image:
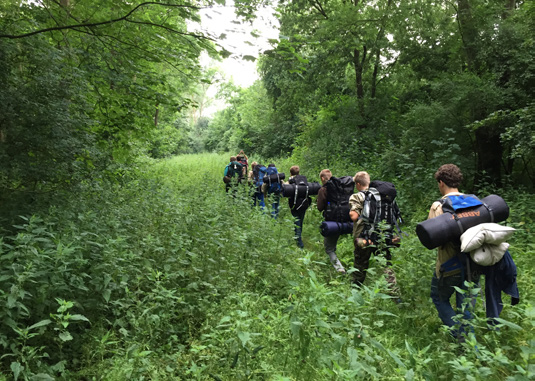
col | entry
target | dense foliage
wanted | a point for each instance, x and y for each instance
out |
(86, 87)
(396, 87)
(120, 260)
(159, 278)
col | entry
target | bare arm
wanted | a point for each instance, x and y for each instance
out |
(353, 215)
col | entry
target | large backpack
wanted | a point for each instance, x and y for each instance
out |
(259, 172)
(339, 190)
(461, 212)
(245, 165)
(457, 205)
(298, 202)
(380, 206)
(273, 187)
(234, 168)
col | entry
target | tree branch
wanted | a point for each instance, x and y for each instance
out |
(169, 29)
(134, 47)
(95, 24)
(319, 8)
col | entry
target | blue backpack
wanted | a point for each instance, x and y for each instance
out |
(259, 172)
(275, 188)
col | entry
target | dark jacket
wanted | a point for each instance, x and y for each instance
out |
(333, 198)
(321, 201)
(298, 205)
(500, 277)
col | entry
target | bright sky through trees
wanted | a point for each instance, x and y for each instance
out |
(238, 39)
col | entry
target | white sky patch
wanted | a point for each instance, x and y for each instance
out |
(235, 36)
(221, 21)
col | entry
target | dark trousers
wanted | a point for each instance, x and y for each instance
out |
(299, 218)
(275, 203)
(361, 262)
(441, 291)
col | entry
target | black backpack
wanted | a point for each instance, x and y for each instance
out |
(380, 206)
(339, 190)
(295, 202)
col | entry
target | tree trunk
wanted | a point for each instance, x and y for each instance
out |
(510, 6)
(358, 63)
(375, 72)
(489, 149)
(489, 155)
(468, 33)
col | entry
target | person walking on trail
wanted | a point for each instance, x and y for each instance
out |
(298, 204)
(255, 178)
(273, 190)
(450, 269)
(326, 203)
(233, 173)
(244, 161)
(365, 242)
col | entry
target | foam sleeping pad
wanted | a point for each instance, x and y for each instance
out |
(288, 190)
(445, 228)
(275, 178)
(329, 228)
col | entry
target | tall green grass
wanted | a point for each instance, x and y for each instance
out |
(166, 277)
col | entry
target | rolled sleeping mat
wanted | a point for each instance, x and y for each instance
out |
(275, 178)
(329, 228)
(288, 190)
(445, 228)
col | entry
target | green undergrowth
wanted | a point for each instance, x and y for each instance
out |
(166, 277)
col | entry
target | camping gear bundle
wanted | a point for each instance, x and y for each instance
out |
(302, 190)
(461, 213)
(330, 228)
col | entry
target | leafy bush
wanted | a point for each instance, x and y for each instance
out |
(165, 276)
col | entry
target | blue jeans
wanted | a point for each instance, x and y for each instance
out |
(275, 199)
(258, 197)
(441, 292)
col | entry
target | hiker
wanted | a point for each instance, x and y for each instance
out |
(368, 239)
(256, 179)
(250, 175)
(333, 201)
(298, 204)
(450, 270)
(273, 190)
(233, 173)
(244, 161)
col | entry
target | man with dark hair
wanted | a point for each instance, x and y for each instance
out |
(450, 269)
(449, 174)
